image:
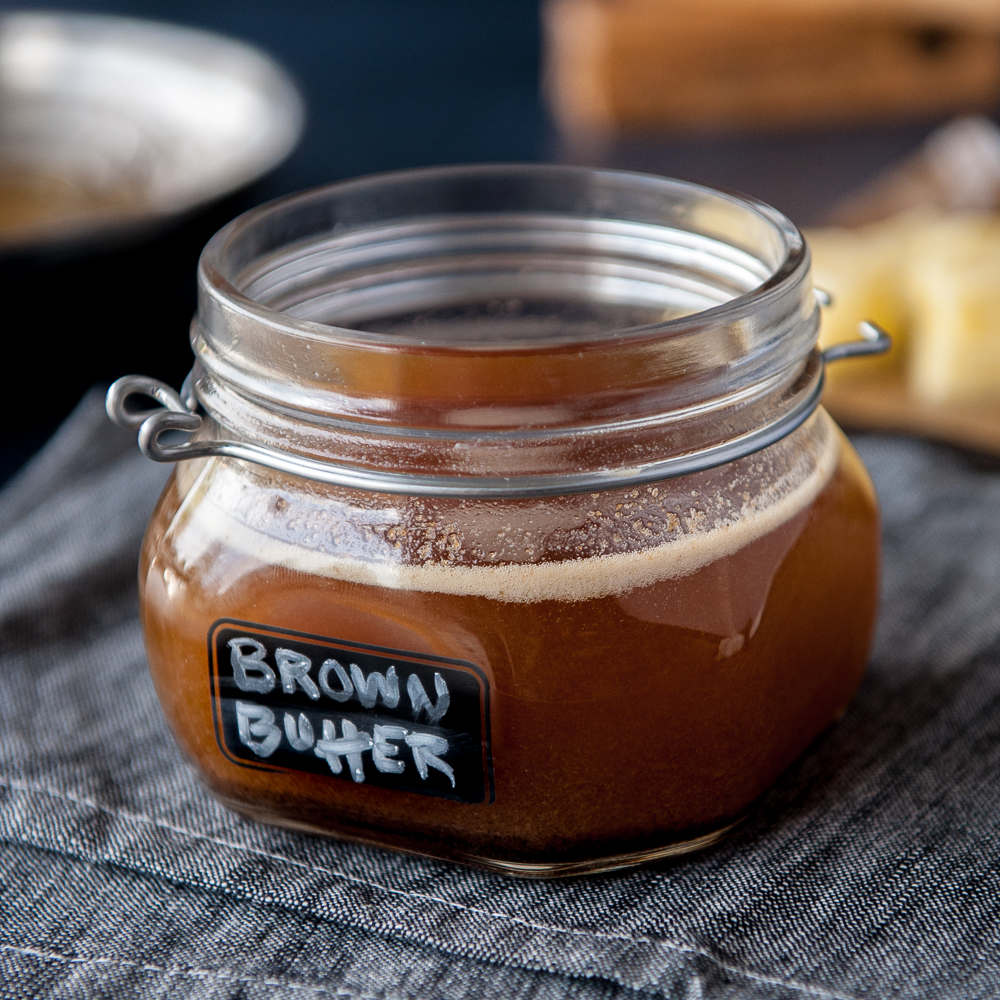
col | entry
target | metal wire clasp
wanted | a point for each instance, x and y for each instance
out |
(874, 340)
(175, 413)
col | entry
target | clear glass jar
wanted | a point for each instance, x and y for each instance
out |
(507, 527)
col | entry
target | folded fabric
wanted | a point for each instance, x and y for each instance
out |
(870, 871)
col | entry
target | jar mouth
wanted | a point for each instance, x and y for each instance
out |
(261, 262)
(509, 323)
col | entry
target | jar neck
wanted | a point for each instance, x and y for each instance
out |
(465, 326)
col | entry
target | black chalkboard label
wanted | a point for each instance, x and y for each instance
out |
(289, 701)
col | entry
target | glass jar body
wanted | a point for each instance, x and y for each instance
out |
(627, 669)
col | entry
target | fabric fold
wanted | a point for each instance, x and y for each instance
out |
(868, 871)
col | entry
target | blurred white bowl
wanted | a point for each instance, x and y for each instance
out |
(109, 123)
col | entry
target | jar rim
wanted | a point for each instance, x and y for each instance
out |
(215, 277)
(500, 359)
(598, 405)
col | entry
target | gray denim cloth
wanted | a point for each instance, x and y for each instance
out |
(870, 871)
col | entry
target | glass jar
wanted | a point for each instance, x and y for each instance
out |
(506, 526)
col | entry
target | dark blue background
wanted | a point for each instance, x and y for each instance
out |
(388, 84)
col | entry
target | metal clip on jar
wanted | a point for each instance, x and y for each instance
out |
(510, 529)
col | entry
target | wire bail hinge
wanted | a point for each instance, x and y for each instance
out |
(174, 413)
(874, 340)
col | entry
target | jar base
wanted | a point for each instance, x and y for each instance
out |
(595, 866)
(441, 851)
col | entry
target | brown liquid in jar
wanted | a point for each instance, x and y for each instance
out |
(655, 656)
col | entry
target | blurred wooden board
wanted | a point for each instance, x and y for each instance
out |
(648, 65)
(881, 402)
(975, 13)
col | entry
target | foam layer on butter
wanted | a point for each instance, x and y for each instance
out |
(206, 521)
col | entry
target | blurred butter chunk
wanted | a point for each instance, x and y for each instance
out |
(952, 282)
(862, 269)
